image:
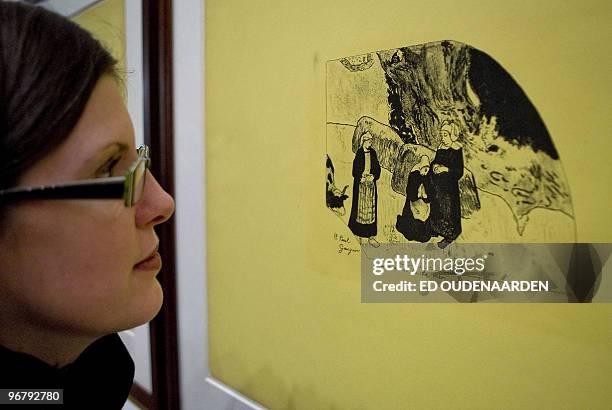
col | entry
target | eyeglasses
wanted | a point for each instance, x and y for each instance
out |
(129, 187)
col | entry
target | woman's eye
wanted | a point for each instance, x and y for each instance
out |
(106, 170)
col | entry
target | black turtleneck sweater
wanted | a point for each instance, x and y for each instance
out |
(101, 377)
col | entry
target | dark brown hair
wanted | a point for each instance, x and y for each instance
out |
(48, 69)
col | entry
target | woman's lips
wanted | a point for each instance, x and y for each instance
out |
(153, 262)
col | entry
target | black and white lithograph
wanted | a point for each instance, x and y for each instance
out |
(438, 143)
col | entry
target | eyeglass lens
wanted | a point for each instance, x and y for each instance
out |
(139, 180)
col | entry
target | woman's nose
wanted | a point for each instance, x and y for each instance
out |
(156, 206)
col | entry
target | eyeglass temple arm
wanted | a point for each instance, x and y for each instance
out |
(107, 188)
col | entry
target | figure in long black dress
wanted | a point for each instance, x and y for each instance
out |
(414, 222)
(447, 168)
(366, 171)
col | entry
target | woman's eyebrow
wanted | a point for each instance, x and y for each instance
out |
(102, 155)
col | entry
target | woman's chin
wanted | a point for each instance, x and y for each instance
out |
(152, 304)
(143, 307)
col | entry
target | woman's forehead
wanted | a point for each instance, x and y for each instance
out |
(103, 129)
(105, 120)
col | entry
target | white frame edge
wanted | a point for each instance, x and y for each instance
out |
(198, 388)
(69, 8)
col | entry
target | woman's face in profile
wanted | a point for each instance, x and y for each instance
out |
(71, 264)
(446, 137)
